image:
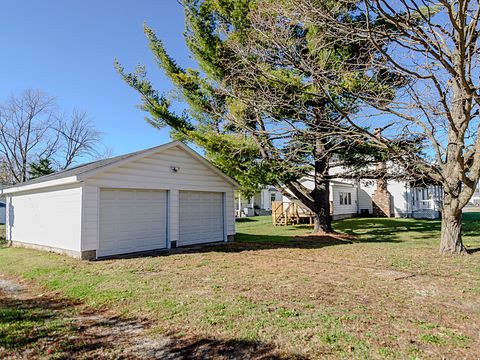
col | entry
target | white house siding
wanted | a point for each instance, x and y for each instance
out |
(343, 211)
(49, 218)
(365, 198)
(154, 172)
(400, 197)
(398, 190)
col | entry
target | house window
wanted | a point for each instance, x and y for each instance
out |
(345, 198)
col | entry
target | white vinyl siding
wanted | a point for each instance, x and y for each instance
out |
(132, 221)
(91, 202)
(400, 198)
(50, 218)
(154, 172)
(365, 198)
(201, 217)
(349, 197)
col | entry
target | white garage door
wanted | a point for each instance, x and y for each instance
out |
(201, 217)
(132, 220)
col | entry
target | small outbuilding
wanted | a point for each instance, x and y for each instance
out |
(159, 198)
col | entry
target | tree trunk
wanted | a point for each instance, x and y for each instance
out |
(323, 219)
(451, 236)
(321, 190)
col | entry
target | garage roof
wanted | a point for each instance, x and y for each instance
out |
(80, 172)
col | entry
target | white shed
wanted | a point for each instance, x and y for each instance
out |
(158, 198)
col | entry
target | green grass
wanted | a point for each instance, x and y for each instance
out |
(21, 326)
(374, 298)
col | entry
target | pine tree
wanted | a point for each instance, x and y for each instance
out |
(41, 168)
(256, 106)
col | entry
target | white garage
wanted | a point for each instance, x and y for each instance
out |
(158, 198)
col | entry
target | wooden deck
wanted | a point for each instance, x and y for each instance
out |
(291, 213)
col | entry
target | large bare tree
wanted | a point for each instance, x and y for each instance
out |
(33, 128)
(78, 137)
(433, 50)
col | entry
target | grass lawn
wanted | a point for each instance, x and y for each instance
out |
(388, 294)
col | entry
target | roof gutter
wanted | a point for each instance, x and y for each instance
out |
(41, 185)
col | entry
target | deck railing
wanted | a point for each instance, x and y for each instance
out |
(288, 213)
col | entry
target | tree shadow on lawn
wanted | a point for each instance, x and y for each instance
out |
(245, 220)
(362, 230)
(38, 327)
(383, 230)
(208, 348)
(366, 230)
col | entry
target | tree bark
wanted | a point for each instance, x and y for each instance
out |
(321, 190)
(451, 235)
(323, 219)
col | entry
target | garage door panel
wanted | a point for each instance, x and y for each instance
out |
(201, 217)
(132, 220)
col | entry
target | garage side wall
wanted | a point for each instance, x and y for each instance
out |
(48, 219)
(155, 172)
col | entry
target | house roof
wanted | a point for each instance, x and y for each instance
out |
(82, 171)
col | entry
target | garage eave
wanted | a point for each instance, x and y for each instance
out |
(41, 185)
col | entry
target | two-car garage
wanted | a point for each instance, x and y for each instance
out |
(136, 220)
(159, 198)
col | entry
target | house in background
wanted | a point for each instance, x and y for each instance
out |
(259, 204)
(343, 198)
(475, 200)
(2, 212)
(158, 198)
(399, 199)
(378, 198)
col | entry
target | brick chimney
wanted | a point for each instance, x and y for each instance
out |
(381, 197)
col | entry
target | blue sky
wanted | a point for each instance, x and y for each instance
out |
(67, 48)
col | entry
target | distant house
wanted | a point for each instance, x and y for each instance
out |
(2, 212)
(380, 198)
(475, 200)
(400, 199)
(157, 198)
(343, 198)
(259, 204)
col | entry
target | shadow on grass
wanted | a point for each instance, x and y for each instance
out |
(245, 220)
(206, 348)
(40, 326)
(48, 328)
(261, 235)
(379, 230)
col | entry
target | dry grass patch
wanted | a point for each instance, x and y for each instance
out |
(384, 294)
